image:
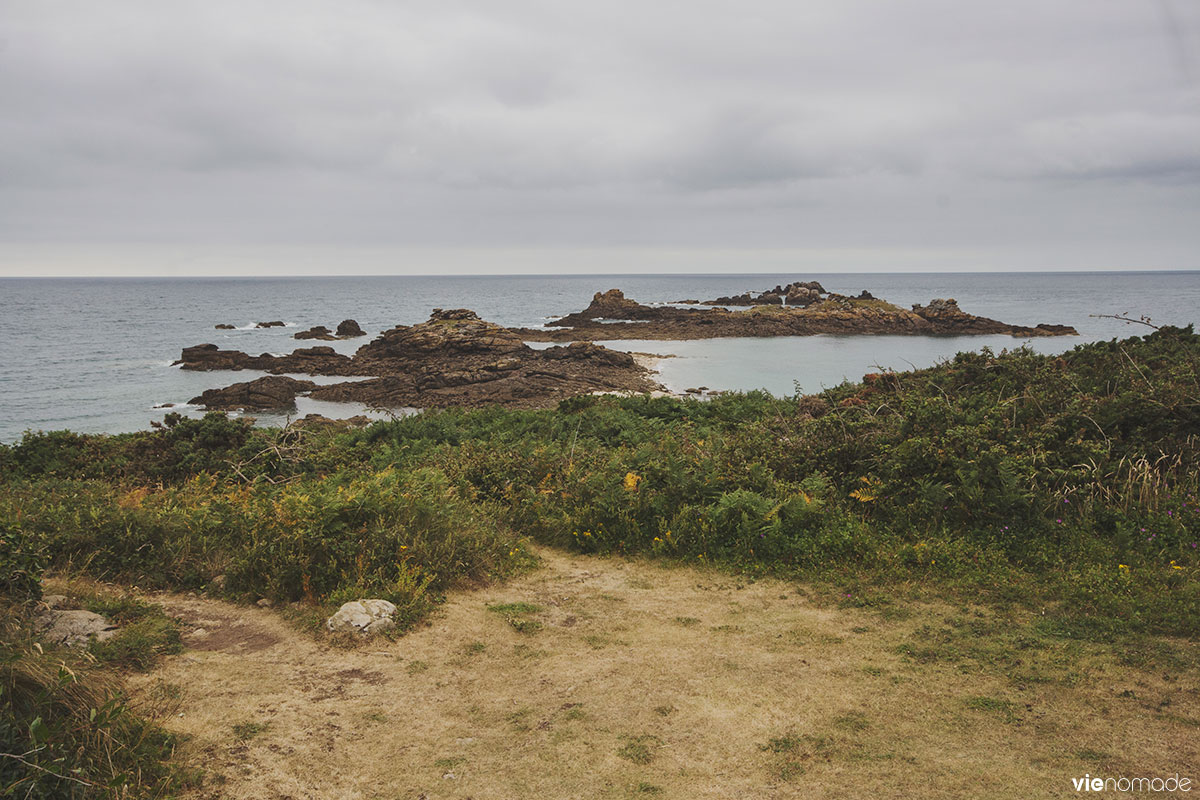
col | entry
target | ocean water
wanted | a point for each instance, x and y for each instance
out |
(94, 355)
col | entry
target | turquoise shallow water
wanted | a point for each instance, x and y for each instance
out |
(94, 355)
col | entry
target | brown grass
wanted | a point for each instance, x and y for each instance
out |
(764, 695)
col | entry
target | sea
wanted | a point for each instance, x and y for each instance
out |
(96, 355)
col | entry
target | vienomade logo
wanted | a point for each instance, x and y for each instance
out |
(1173, 784)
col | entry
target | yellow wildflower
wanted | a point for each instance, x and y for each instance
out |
(632, 479)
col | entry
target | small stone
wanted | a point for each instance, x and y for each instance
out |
(264, 603)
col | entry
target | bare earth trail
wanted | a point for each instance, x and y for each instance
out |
(648, 681)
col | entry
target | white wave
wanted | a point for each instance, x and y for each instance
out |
(253, 326)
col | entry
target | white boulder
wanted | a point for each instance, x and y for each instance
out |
(363, 617)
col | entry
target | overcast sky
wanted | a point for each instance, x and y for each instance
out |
(548, 135)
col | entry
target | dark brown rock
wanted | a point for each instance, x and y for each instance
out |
(225, 326)
(316, 332)
(456, 332)
(273, 324)
(319, 360)
(609, 305)
(274, 391)
(804, 313)
(453, 359)
(349, 329)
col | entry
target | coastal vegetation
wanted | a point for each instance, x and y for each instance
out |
(1061, 485)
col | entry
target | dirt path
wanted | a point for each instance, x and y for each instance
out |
(644, 681)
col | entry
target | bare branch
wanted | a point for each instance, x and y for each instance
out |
(1142, 320)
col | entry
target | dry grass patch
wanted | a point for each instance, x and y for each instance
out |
(612, 697)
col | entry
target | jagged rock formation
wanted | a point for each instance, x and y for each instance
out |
(453, 359)
(798, 293)
(798, 309)
(272, 324)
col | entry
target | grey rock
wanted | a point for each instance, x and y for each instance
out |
(73, 628)
(363, 617)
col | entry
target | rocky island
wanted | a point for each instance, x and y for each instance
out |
(453, 359)
(458, 359)
(799, 309)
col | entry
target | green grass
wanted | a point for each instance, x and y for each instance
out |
(65, 712)
(517, 616)
(245, 731)
(639, 749)
(1004, 709)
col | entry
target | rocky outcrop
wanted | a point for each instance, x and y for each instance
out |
(363, 617)
(948, 318)
(274, 391)
(320, 360)
(272, 324)
(797, 293)
(316, 332)
(346, 329)
(225, 326)
(453, 359)
(610, 305)
(451, 333)
(798, 309)
(349, 329)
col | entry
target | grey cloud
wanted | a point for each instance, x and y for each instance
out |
(674, 123)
